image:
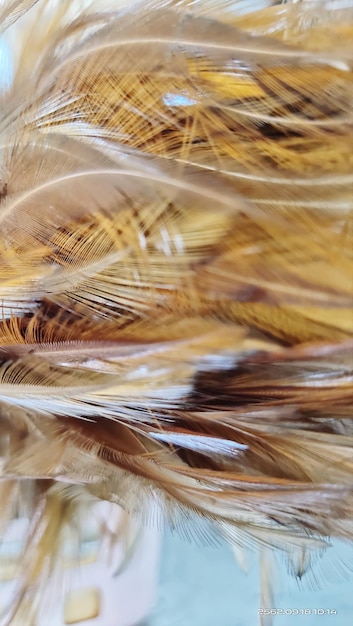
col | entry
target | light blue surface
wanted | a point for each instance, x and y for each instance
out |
(205, 587)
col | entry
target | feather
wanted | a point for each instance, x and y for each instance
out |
(12, 10)
(176, 274)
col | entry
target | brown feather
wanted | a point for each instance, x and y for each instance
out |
(176, 272)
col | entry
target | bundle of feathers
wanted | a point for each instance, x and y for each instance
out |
(176, 270)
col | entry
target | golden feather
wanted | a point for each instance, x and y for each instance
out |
(176, 270)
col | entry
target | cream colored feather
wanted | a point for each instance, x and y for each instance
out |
(176, 271)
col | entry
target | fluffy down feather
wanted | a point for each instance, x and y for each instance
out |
(176, 270)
